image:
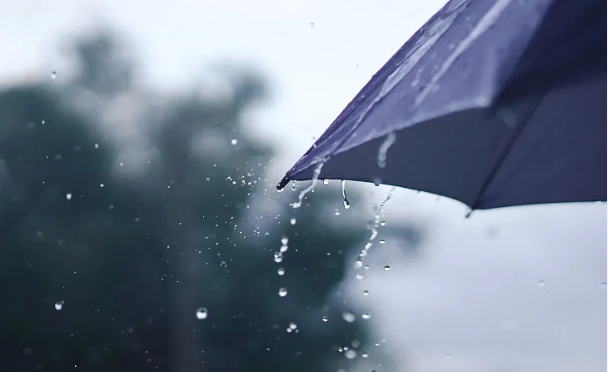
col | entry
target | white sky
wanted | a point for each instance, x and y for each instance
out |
(473, 296)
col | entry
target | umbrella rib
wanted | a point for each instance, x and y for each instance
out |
(505, 153)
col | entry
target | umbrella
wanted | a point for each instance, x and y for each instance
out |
(493, 103)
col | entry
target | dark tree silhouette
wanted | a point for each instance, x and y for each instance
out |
(105, 272)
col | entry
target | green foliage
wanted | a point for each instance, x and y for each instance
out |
(133, 257)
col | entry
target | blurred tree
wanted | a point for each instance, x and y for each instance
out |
(106, 272)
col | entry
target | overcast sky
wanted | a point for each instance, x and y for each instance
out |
(518, 289)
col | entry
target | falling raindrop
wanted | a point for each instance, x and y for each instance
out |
(281, 271)
(293, 221)
(366, 316)
(303, 193)
(278, 257)
(234, 141)
(68, 196)
(59, 305)
(377, 223)
(345, 199)
(282, 292)
(349, 317)
(283, 248)
(388, 142)
(325, 319)
(201, 313)
(350, 354)
(284, 240)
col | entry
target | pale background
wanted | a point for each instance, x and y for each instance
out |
(520, 289)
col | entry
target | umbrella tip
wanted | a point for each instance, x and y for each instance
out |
(281, 185)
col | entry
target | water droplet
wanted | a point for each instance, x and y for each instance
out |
(284, 240)
(376, 224)
(234, 141)
(278, 257)
(349, 317)
(345, 199)
(382, 241)
(387, 268)
(282, 292)
(382, 223)
(325, 319)
(541, 283)
(201, 313)
(283, 248)
(97, 145)
(603, 285)
(293, 221)
(377, 181)
(281, 271)
(350, 354)
(359, 276)
(365, 292)
(326, 182)
(59, 305)
(303, 193)
(293, 185)
(388, 142)
(53, 75)
(68, 196)
(366, 316)
(365, 355)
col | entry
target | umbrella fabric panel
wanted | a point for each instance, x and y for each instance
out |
(560, 154)
(449, 156)
(457, 61)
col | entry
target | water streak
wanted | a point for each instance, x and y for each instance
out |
(303, 193)
(388, 142)
(345, 199)
(374, 229)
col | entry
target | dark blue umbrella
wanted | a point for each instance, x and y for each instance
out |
(492, 102)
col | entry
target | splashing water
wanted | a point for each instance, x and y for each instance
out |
(374, 229)
(388, 142)
(303, 193)
(345, 199)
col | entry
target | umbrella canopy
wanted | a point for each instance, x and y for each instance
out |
(492, 102)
